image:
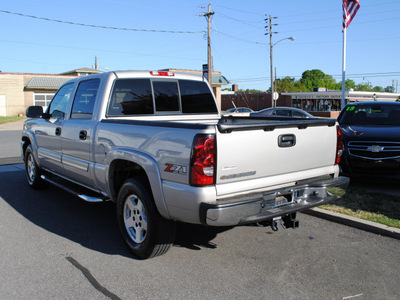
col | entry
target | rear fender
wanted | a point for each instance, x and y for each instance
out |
(151, 169)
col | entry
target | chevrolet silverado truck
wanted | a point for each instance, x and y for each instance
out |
(155, 143)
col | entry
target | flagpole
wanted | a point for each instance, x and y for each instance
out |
(343, 102)
(350, 8)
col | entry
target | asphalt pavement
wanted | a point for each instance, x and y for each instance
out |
(10, 159)
(10, 137)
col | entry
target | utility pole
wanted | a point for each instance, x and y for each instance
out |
(208, 15)
(95, 66)
(268, 27)
(395, 84)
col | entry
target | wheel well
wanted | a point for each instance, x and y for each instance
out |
(121, 170)
(25, 144)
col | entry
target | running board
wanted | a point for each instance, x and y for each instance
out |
(73, 192)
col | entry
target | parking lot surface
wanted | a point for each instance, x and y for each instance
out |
(55, 246)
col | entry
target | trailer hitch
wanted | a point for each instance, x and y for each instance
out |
(290, 221)
(274, 226)
(287, 221)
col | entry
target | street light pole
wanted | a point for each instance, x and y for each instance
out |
(292, 38)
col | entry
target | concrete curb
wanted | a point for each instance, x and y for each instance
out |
(354, 222)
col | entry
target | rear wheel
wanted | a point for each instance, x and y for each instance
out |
(144, 230)
(32, 170)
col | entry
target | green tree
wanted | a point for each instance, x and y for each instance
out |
(364, 87)
(312, 79)
(286, 84)
(378, 89)
(389, 89)
(349, 84)
(330, 83)
(250, 91)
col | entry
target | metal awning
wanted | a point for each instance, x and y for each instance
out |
(47, 83)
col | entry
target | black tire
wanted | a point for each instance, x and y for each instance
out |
(32, 170)
(145, 231)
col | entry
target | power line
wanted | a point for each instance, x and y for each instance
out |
(356, 75)
(97, 26)
(245, 22)
(240, 10)
(239, 39)
(100, 50)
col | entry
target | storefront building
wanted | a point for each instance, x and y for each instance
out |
(320, 103)
(328, 103)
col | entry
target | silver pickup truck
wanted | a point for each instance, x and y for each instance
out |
(156, 144)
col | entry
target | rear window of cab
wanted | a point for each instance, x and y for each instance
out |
(137, 96)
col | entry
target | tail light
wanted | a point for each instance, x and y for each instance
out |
(339, 144)
(202, 160)
(161, 73)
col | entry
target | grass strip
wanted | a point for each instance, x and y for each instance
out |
(4, 120)
(372, 206)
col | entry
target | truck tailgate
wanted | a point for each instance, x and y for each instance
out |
(279, 155)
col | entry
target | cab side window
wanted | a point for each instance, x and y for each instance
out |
(131, 97)
(85, 98)
(58, 105)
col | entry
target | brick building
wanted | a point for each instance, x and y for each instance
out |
(20, 90)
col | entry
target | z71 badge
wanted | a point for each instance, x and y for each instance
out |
(175, 169)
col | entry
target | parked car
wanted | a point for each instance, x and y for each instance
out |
(285, 112)
(371, 138)
(238, 111)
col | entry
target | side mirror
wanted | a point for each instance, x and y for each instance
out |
(34, 111)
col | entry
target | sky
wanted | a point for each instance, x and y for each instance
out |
(51, 37)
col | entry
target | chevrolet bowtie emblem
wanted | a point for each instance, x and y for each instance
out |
(375, 148)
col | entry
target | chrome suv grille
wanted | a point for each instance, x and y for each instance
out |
(374, 150)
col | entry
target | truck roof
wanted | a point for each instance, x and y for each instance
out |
(143, 74)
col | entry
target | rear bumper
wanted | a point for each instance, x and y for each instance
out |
(265, 206)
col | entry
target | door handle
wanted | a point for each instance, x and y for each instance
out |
(58, 131)
(82, 135)
(286, 140)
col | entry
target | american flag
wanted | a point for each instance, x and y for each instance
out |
(350, 8)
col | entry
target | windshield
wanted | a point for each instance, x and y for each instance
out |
(371, 114)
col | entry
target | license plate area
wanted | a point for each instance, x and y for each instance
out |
(278, 199)
(283, 199)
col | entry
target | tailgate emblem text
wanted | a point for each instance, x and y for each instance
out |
(232, 176)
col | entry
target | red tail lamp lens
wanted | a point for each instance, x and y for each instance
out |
(203, 160)
(339, 144)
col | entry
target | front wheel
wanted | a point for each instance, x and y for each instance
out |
(32, 170)
(145, 231)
